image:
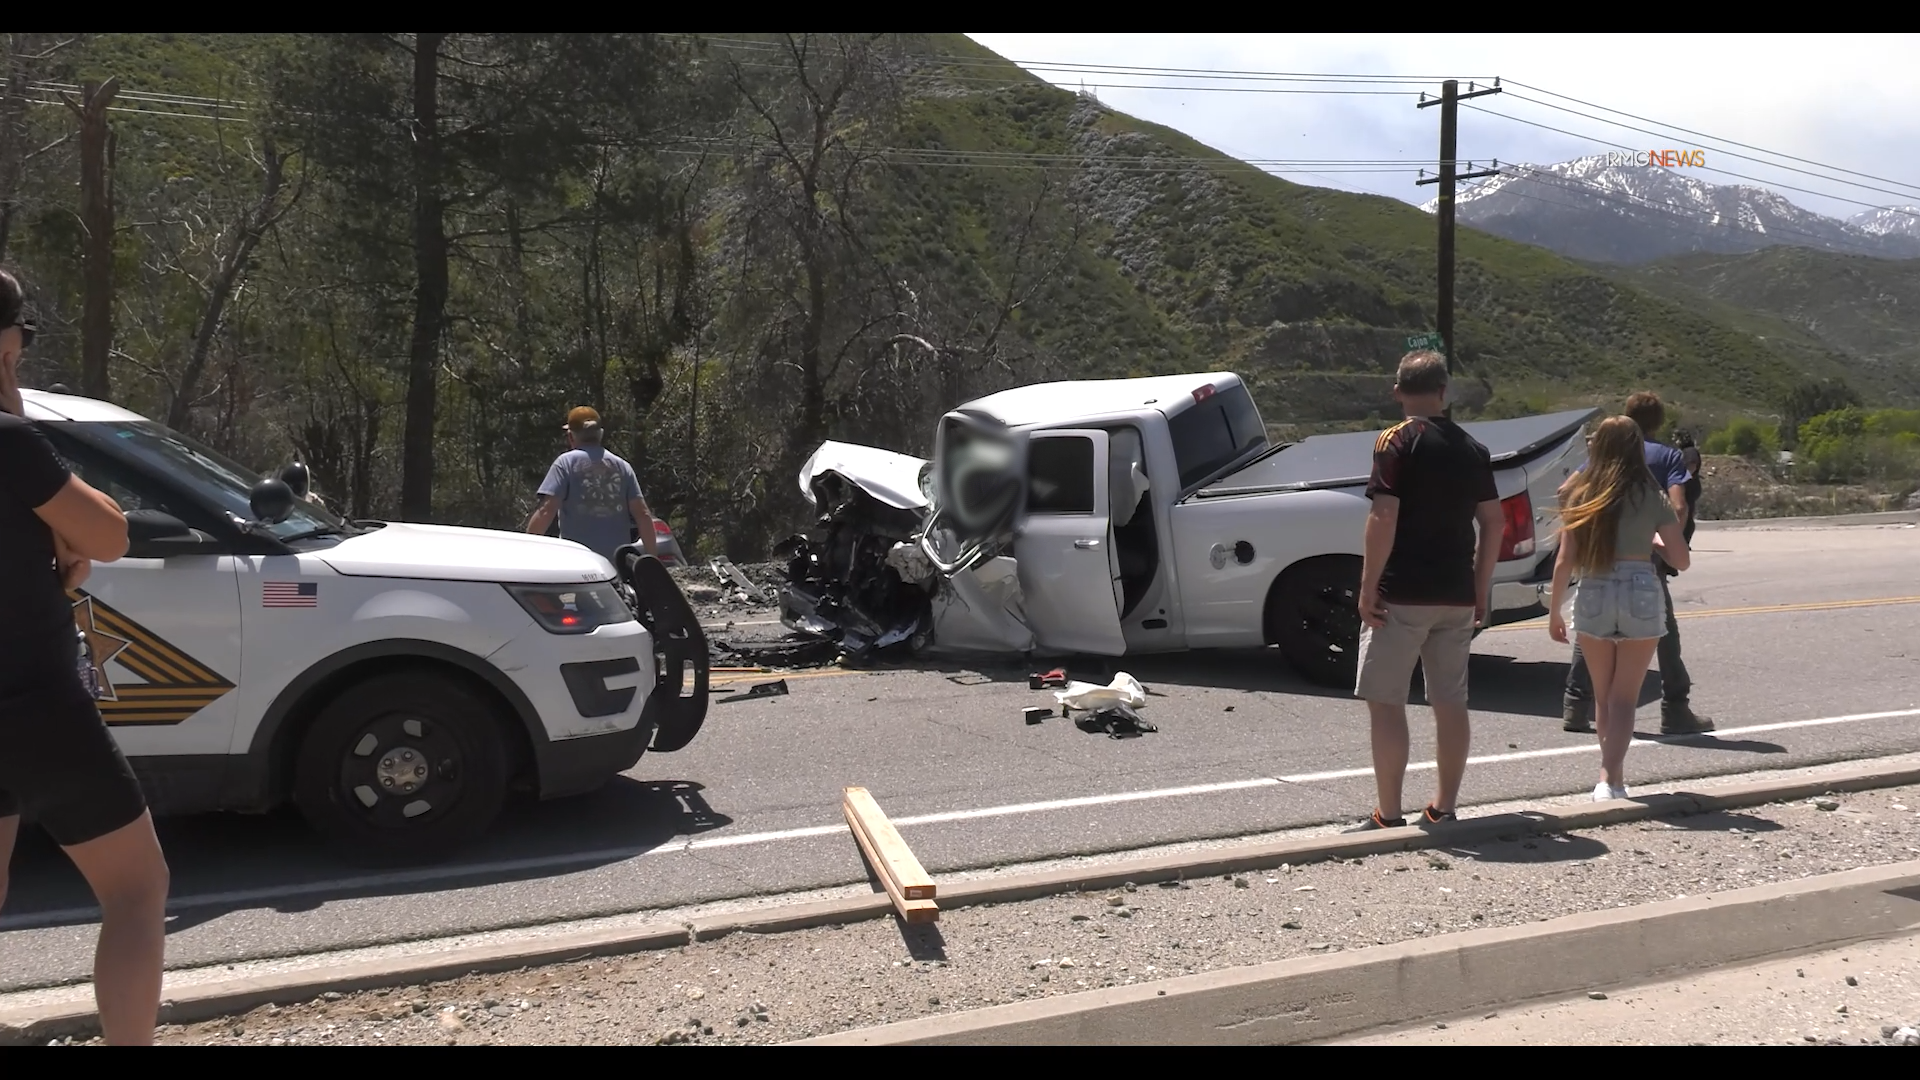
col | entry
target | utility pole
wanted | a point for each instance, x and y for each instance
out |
(96, 216)
(1449, 102)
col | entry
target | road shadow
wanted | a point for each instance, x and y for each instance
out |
(1523, 848)
(1709, 742)
(274, 861)
(1721, 821)
(924, 941)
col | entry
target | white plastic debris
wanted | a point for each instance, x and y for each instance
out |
(1123, 690)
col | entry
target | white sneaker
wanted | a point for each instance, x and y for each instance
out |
(1604, 793)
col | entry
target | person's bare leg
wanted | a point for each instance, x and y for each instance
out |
(1630, 660)
(1390, 749)
(9, 832)
(1598, 654)
(1453, 736)
(129, 877)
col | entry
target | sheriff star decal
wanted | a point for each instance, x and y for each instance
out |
(172, 686)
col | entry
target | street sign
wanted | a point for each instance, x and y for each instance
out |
(1426, 341)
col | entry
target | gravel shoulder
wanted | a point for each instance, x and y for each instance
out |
(1865, 994)
(761, 989)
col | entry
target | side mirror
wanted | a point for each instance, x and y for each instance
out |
(156, 534)
(271, 500)
(148, 525)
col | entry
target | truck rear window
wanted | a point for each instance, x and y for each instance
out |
(1212, 433)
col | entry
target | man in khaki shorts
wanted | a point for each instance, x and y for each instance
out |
(1424, 583)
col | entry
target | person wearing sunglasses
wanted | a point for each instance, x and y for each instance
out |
(58, 762)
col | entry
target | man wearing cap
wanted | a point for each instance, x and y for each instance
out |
(594, 492)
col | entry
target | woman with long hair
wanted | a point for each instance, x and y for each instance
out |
(1612, 517)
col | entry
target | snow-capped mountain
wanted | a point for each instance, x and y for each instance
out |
(1889, 221)
(1595, 210)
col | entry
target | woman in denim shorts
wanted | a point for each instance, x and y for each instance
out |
(1613, 516)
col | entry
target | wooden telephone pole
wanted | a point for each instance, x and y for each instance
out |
(1449, 102)
(96, 217)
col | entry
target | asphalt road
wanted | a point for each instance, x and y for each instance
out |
(1804, 645)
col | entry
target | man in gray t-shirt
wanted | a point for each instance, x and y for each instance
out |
(594, 492)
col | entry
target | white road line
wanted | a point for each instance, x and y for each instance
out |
(374, 882)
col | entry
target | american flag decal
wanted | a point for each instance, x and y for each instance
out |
(287, 594)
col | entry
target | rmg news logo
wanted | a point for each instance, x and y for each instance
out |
(1667, 159)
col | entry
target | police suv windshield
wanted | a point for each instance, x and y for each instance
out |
(204, 473)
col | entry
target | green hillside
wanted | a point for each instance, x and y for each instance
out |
(1866, 308)
(737, 246)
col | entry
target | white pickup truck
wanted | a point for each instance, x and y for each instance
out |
(393, 681)
(1130, 516)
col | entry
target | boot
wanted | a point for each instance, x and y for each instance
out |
(1578, 715)
(1678, 718)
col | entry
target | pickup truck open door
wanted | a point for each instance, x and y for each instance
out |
(1063, 544)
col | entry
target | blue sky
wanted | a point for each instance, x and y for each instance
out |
(1846, 100)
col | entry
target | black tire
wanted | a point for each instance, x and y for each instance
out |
(460, 763)
(1313, 614)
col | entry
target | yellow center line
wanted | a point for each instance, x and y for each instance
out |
(1759, 609)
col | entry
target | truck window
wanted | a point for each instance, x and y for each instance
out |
(1060, 475)
(1209, 434)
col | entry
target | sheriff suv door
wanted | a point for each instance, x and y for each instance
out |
(163, 631)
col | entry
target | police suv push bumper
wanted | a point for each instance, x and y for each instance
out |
(608, 738)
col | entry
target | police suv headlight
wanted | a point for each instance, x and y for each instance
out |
(573, 609)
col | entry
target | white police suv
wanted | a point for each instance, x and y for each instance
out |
(394, 681)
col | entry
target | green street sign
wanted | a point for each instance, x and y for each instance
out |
(1426, 341)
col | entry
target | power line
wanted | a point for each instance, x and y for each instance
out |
(1722, 172)
(1743, 157)
(1715, 138)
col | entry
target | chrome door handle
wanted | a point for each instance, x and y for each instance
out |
(1086, 545)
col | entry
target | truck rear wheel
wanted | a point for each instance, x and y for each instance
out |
(1313, 614)
(402, 768)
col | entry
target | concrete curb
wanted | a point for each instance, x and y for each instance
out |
(203, 994)
(1322, 997)
(1888, 517)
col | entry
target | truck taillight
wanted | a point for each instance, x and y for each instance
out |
(1516, 531)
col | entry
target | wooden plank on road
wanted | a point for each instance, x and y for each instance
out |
(905, 880)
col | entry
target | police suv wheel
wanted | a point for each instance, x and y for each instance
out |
(402, 768)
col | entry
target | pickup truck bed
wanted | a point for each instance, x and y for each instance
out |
(1346, 460)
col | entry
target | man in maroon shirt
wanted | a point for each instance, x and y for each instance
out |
(1424, 583)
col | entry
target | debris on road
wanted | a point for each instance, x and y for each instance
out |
(1047, 680)
(776, 688)
(1086, 697)
(891, 860)
(1036, 714)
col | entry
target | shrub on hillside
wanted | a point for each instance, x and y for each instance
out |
(1744, 438)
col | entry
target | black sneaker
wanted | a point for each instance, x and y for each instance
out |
(1578, 716)
(1682, 720)
(1430, 816)
(1375, 822)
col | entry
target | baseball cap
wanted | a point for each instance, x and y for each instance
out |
(582, 419)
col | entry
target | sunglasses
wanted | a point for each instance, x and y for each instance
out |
(26, 333)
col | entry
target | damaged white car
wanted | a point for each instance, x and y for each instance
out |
(1130, 516)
